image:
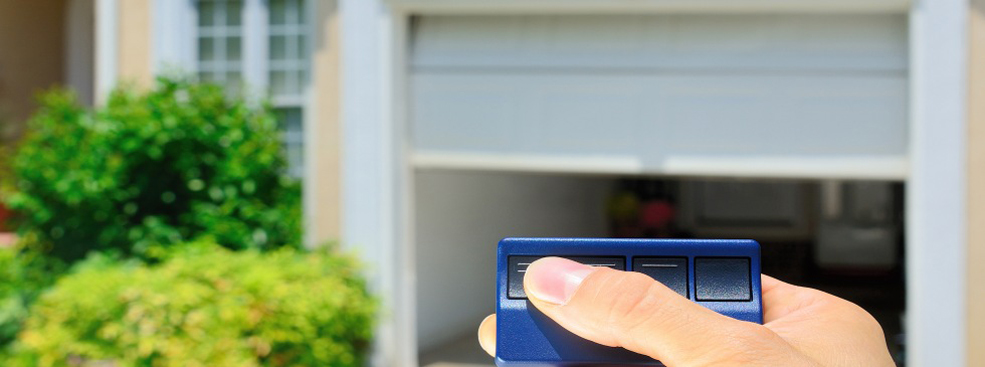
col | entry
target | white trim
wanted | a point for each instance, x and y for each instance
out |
(290, 101)
(255, 41)
(860, 168)
(80, 41)
(173, 36)
(309, 120)
(107, 19)
(934, 171)
(404, 181)
(935, 214)
(874, 168)
(651, 6)
(371, 222)
(527, 163)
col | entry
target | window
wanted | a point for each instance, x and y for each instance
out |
(220, 42)
(288, 73)
(288, 48)
(269, 52)
(291, 120)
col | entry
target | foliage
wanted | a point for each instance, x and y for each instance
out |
(153, 169)
(24, 273)
(204, 306)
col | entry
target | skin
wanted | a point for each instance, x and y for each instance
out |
(802, 326)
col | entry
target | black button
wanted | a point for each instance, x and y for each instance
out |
(671, 271)
(722, 279)
(519, 264)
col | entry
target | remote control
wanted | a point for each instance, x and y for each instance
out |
(722, 275)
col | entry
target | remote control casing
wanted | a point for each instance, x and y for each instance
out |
(526, 337)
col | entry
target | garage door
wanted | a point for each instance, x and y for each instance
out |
(759, 95)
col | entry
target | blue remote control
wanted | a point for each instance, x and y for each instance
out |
(722, 275)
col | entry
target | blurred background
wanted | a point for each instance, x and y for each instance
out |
(240, 165)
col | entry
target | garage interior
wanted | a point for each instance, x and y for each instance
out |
(843, 237)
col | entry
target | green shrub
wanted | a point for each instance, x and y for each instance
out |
(205, 306)
(152, 169)
(24, 273)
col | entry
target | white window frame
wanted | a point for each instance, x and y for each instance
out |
(107, 51)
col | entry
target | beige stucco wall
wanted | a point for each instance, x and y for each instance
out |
(976, 185)
(323, 185)
(31, 57)
(134, 42)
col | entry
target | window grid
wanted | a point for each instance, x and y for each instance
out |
(220, 42)
(291, 121)
(287, 67)
(288, 38)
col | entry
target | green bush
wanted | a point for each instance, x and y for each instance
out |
(23, 275)
(152, 169)
(204, 306)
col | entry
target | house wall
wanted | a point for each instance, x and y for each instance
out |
(134, 42)
(31, 58)
(976, 184)
(322, 133)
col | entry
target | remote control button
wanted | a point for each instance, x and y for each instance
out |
(518, 266)
(722, 279)
(671, 271)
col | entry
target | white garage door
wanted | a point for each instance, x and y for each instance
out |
(762, 95)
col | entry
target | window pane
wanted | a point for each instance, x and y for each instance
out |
(291, 122)
(234, 49)
(293, 83)
(206, 49)
(301, 45)
(278, 48)
(278, 83)
(286, 83)
(294, 11)
(233, 82)
(206, 13)
(278, 12)
(234, 13)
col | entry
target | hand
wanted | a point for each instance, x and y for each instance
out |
(803, 326)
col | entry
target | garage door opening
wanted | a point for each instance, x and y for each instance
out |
(843, 237)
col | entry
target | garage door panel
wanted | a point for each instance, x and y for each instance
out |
(677, 42)
(784, 115)
(687, 94)
(547, 113)
(653, 115)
